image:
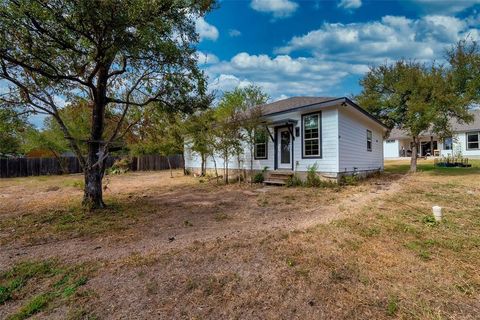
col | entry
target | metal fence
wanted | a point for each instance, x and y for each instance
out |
(25, 167)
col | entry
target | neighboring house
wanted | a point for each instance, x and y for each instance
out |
(465, 140)
(334, 133)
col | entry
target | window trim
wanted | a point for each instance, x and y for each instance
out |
(466, 140)
(266, 148)
(320, 140)
(371, 140)
(451, 144)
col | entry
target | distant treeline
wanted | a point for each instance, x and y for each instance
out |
(24, 167)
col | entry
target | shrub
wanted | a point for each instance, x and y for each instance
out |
(294, 181)
(258, 178)
(313, 180)
(348, 180)
(120, 166)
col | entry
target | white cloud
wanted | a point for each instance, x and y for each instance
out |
(234, 33)
(444, 6)
(206, 58)
(391, 38)
(322, 61)
(350, 4)
(278, 8)
(206, 30)
(282, 74)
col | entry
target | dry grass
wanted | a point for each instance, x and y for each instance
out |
(177, 248)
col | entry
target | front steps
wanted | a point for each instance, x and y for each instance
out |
(278, 177)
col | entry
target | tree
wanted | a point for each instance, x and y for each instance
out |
(117, 55)
(12, 129)
(200, 129)
(464, 59)
(162, 133)
(413, 97)
(228, 135)
(253, 98)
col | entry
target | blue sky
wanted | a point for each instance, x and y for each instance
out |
(322, 48)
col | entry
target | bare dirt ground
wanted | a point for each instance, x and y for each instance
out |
(187, 248)
(182, 212)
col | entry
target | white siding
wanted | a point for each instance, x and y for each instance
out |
(328, 163)
(344, 144)
(460, 143)
(353, 152)
(391, 149)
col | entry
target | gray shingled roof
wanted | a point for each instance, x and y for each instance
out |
(292, 103)
(456, 126)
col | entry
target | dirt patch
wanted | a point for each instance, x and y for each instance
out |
(178, 248)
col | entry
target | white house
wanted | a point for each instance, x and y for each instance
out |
(334, 133)
(465, 140)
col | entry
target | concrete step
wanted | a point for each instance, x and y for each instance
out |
(275, 181)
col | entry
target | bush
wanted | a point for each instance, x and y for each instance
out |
(258, 178)
(294, 181)
(313, 180)
(120, 166)
(348, 180)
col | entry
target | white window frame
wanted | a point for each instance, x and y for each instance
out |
(261, 143)
(319, 138)
(369, 139)
(478, 140)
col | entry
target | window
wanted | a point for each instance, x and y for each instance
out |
(390, 141)
(311, 135)
(448, 143)
(369, 140)
(261, 144)
(472, 140)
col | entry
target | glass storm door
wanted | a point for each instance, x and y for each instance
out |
(284, 149)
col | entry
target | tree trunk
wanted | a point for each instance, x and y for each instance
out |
(215, 164)
(93, 193)
(225, 158)
(252, 150)
(170, 166)
(183, 163)
(203, 169)
(413, 160)
(94, 169)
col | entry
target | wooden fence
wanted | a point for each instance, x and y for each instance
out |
(24, 167)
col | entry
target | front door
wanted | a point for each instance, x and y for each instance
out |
(284, 149)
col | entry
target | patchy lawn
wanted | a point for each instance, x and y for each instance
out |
(187, 248)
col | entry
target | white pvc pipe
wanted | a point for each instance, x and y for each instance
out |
(437, 213)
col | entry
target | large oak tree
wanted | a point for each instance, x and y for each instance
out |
(119, 55)
(414, 97)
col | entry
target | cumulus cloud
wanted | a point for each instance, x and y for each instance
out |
(391, 38)
(444, 6)
(205, 58)
(278, 8)
(350, 4)
(234, 33)
(322, 61)
(206, 30)
(282, 74)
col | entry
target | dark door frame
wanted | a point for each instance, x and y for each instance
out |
(292, 139)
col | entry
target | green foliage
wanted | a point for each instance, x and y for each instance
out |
(120, 166)
(12, 128)
(258, 177)
(57, 282)
(313, 180)
(417, 97)
(348, 180)
(392, 306)
(294, 181)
